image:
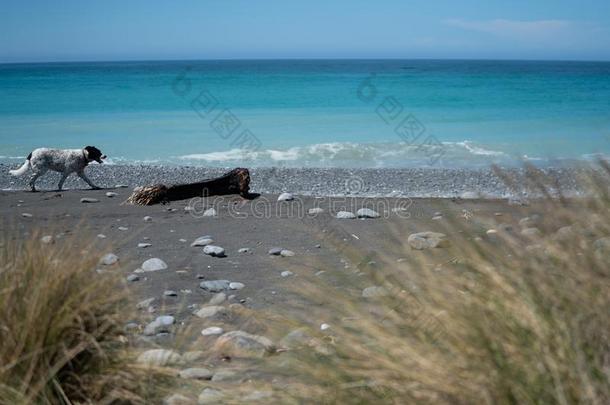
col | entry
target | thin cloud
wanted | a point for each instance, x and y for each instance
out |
(536, 30)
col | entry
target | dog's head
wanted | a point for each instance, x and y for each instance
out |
(92, 153)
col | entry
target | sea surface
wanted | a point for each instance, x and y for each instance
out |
(311, 113)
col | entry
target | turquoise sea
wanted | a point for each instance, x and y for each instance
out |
(311, 113)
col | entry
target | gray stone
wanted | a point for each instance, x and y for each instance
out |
(425, 240)
(197, 373)
(285, 197)
(89, 200)
(160, 324)
(225, 375)
(133, 277)
(211, 311)
(109, 259)
(111, 194)
(531, 232)
(144, 245)
(374, 292)
(218, 299)
(170, 293)
(275, 251)
(178, 399)
(147, 218)
(345, 215)
(215, 285)
(203, 241)
(243, 343)
(26, 215)
(159, 357)
(214, 251)
(367, 213)
(244, 250)
(210, 396)
(154, 264)
(286, 273)
(123, 228)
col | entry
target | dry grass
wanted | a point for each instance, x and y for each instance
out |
(61, 323)
(511, 319)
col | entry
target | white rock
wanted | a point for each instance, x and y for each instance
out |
(147, 218)
(212, 330)
(101, 236)
(89, 200)
(315, 211)
(215, 251)
(210, 212)
(244, 250)
(374, 292)
(285, 197)
(491, 232)
(132, 277)
(345, 215)
(111, 194)
(425, 240)
(170, 293)
(286, 253)
(159, 357)
(160, 324)
(109, 259)
(236, 286)
(47, 239)
(210, 311)
(154, 264)
(123, 228)
(26, 215)
(217, 299)
(203, 241)
(215, 285)
(367, 213)
(324, 326)
(144, 245)
(286, 273)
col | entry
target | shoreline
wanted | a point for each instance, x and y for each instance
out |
(326, 182)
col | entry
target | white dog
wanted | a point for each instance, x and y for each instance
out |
(65, 161)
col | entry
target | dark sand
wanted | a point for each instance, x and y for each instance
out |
(258, 224)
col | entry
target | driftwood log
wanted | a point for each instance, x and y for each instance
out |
(237, 181)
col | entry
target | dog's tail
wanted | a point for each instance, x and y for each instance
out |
(24, 168)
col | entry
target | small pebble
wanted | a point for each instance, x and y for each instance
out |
(47, 239)
(133, 277)
(111, 194)
(286, 273)
(214, 251)
(123, 228)
(212, 330)
(26, 215)
(170, 293)
(236, 286)
(324, 326)
(144, 245)
(345, 215)
(285, 197)
(89, 200)
(147, 219)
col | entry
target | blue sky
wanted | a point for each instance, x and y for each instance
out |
(73, 30)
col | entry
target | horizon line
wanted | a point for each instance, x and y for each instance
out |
(301, 59)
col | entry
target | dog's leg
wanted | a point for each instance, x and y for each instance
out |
(34, 178)
(83, 176)
(62, 180)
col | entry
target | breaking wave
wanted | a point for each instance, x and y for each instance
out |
(349, 154)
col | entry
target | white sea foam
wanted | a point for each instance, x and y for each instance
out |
(354, 154)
